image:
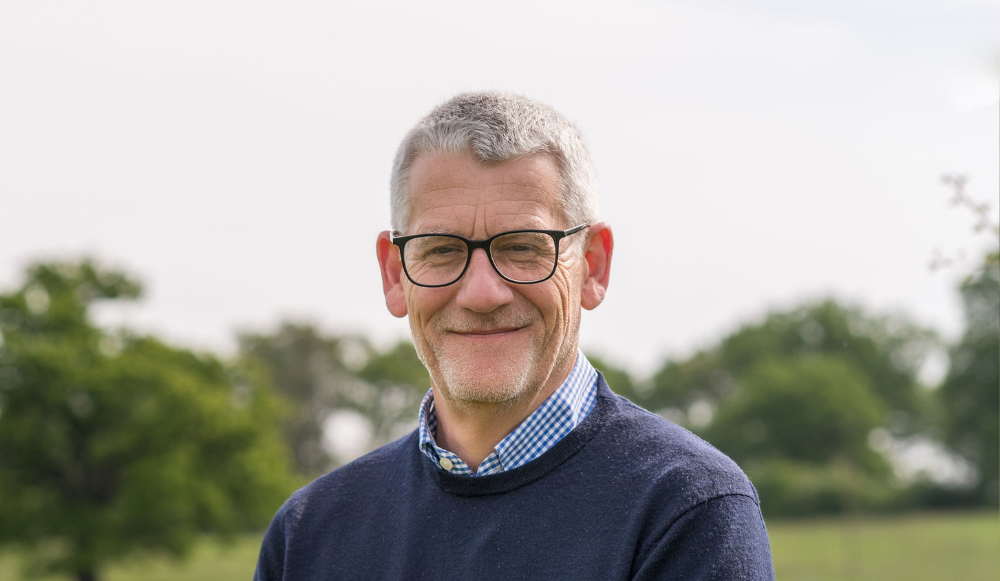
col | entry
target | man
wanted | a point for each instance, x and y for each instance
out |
(524, 464)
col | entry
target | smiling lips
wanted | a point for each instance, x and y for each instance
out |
(488, 332)
(475, 325)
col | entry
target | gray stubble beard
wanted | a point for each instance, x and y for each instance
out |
(464, 381)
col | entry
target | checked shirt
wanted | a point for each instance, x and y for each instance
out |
(555, 418)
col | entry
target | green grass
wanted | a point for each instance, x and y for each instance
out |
(209, 561)
(929, 546)
(916, 547)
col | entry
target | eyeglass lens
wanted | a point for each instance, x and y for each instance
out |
(519, 256)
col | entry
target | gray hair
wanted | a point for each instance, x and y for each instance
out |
(496, 127)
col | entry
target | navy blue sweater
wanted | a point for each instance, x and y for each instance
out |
(625, 495)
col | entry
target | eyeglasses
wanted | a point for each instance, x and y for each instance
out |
(519, 256)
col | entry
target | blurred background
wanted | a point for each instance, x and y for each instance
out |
(804, 199)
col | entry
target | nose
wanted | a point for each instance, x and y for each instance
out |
(481, 289)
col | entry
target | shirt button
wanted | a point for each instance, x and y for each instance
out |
(446, 464)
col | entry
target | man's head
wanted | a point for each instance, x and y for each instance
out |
(493, 128)
(477, 166)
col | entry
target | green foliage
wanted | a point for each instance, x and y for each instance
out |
(114, 443)
(794, 398)
(795, 488)
(799, 428)
(888, 351)
(311, 372)
(815, 410)
(322, 375)
(399, 381)
(619, 380)
(400, 365)
(970, 394)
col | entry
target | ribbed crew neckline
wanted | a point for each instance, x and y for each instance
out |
(537, 468)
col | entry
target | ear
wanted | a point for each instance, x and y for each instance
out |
(600, 244)
(392, 274)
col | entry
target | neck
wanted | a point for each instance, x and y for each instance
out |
(471, 430)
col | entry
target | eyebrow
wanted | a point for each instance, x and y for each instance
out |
(432, 231)
(454, 233)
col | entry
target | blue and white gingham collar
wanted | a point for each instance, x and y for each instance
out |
(548, 424)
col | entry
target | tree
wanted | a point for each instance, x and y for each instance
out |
(799, 427)
(887, 350)
(619, 380)
(112, 443)
(400, 380)
(970, 393)
(794, 398)
(812, 409)
(324, 377)
(312, 373)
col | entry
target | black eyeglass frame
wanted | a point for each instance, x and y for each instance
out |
(472, 245)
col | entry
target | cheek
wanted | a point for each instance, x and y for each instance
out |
(556, 301)
(423, 303)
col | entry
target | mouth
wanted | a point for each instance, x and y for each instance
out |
(488, 335)
(491, 332)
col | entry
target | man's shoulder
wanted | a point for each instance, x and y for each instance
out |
(649, 448)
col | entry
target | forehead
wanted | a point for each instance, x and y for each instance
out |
(458, 194)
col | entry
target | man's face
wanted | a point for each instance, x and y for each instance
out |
(484, 339)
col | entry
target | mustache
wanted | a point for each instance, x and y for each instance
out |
(471, 322)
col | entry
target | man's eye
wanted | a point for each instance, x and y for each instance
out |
(442, 250)
(523, 246)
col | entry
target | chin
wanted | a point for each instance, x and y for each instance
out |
(496, 381)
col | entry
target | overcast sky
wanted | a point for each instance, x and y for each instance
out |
(235, 155)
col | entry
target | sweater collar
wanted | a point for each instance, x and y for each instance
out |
(606, 405)
(557, 416)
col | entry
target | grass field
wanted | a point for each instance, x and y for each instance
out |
(923, 547)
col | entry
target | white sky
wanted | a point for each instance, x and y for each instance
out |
(235, 155)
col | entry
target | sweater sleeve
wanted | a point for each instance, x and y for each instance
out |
(721, 539)
(271, 562)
